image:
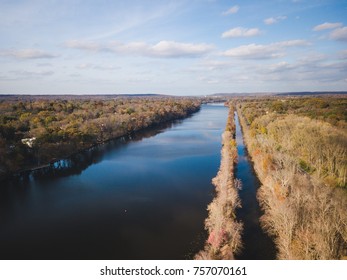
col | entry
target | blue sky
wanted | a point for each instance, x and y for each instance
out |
(181, 47)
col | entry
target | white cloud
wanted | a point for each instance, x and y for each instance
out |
(319, 73)
(83, 45)
(280, 67)
(312, 58)
(241, 32)
(339, 34)
(254, 51)
(43, 64)
(339, 31)
(28, 74)
(84, 66)
(212, 65)
(27, 54)
(327, 25)
(292, 43)
(313, 67)
(139, 48)
(232, 10)
(208, 80)
(175, 49)
(161, 49)
(273, 20)
(106, 67)
(270, 21)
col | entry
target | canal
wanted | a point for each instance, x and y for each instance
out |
(257, 245)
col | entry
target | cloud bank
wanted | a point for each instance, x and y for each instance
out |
(27, 54)
(254, 51)
(339, 34)
(164, 49)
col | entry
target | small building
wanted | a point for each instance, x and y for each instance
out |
(29, 141)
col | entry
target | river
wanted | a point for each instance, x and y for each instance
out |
(257, 244)
(138, 197)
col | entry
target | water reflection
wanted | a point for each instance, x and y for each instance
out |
(76, 163)
(141, 197)
(257, 244)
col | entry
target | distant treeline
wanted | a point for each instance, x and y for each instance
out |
(54, 97)
(37, 131)
(299, 150)
(327, 109)
(312, 93)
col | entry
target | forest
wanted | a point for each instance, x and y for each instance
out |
(298, 146)
(35, 131)
(299, 150)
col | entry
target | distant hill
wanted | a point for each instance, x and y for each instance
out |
(312, 93)
(74, 96)
(300, 93)
(242, 94)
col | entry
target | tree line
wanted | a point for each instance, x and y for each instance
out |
(299, 150)
(37, 131)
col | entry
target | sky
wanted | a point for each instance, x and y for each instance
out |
(181, 47)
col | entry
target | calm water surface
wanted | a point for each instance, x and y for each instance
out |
(138, 198)
(257, 244)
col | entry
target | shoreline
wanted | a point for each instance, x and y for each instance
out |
(18, 174)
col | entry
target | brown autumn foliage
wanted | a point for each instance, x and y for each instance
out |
(64, 126)
(301, 163)
(224, 230)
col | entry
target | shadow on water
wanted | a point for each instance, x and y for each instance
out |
(257, 244)
(77, 163)
(143, 196)
(18, 189)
